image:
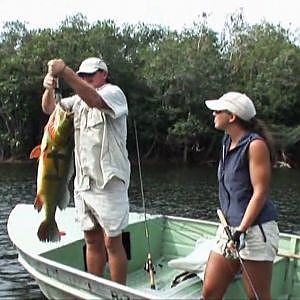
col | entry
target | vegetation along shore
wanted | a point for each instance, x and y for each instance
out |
(166, 76)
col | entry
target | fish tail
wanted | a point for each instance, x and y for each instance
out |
(38, 203)
(36, 152)
(48, 232)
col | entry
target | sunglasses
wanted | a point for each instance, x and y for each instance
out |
(222, 111)
(89, 75)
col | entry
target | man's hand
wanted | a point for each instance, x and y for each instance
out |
(56, 67)
(49, 82)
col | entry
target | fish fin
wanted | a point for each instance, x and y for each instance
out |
(48, 232)
(51, 125)
(64, 199)
(38, 203)
(35, 152)
(66, 193)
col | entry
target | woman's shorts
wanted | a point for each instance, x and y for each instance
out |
(260, 244)
(108, 208)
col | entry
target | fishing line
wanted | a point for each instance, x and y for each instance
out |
(149, 265)
(228, 232)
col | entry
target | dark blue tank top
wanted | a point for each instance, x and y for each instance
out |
(235, 188)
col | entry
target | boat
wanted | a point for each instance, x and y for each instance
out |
(166, 258)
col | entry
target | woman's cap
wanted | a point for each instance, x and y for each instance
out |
(92, 65)
(237, 103)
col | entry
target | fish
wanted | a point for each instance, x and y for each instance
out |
(55, 169)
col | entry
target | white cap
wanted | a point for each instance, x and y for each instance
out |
(237, 103)
(92, 65)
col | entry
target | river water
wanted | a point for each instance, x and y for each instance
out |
(189, 191)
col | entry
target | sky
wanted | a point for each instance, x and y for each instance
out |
(173, 14)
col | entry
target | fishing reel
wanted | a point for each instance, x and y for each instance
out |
(148, 266)
(238, 238)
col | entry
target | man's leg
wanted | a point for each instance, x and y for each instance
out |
(95, 251)
(117, 258)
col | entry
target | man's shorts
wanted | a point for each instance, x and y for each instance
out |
(108, 208)
(261, 243)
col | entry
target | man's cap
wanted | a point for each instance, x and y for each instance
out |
(235, 102)
(92, 65)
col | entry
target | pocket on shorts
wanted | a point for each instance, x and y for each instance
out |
(259, 248)
(115, 184)
(272, 233)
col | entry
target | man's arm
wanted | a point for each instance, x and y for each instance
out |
(83, 89)
(48, 98)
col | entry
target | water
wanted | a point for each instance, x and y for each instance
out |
(17, 185)
(192, 192)
(174, 190)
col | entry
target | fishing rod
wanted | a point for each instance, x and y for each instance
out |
(57, 91)
(148, 265)
(229, 234)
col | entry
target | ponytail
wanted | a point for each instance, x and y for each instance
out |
(258, 126)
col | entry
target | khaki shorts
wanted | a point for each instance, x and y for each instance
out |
(256, 246)
(108, 208)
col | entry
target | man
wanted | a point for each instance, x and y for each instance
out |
(101, 159)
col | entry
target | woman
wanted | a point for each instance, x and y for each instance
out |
(244, 176)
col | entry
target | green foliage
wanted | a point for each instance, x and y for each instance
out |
(166, 76)
(264, 63)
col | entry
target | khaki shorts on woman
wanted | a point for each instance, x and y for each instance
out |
(261, 243)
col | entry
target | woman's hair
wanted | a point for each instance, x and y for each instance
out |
(258, 126)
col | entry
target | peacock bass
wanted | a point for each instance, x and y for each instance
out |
(55, 168)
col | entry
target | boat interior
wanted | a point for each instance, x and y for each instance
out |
(164, 247)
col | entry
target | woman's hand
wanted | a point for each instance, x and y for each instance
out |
(238, 241)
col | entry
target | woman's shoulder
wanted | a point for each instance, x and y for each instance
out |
(258, 146)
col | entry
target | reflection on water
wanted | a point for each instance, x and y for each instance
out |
(173, 190)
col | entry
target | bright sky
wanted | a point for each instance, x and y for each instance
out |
(174, 14)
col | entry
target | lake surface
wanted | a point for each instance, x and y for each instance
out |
(189, 191)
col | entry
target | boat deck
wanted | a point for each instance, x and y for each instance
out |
(164, 277)
(191, 288)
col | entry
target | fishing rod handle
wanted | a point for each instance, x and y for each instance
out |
(152, 281)
(224, 223)
(151, 272)
(229, 234)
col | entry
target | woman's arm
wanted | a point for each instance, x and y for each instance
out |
(260, 174)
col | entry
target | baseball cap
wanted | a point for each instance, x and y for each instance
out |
(235, 102)
(92, 65)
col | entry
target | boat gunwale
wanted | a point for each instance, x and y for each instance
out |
(48, 263)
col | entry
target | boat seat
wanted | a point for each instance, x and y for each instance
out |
(195, 262)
